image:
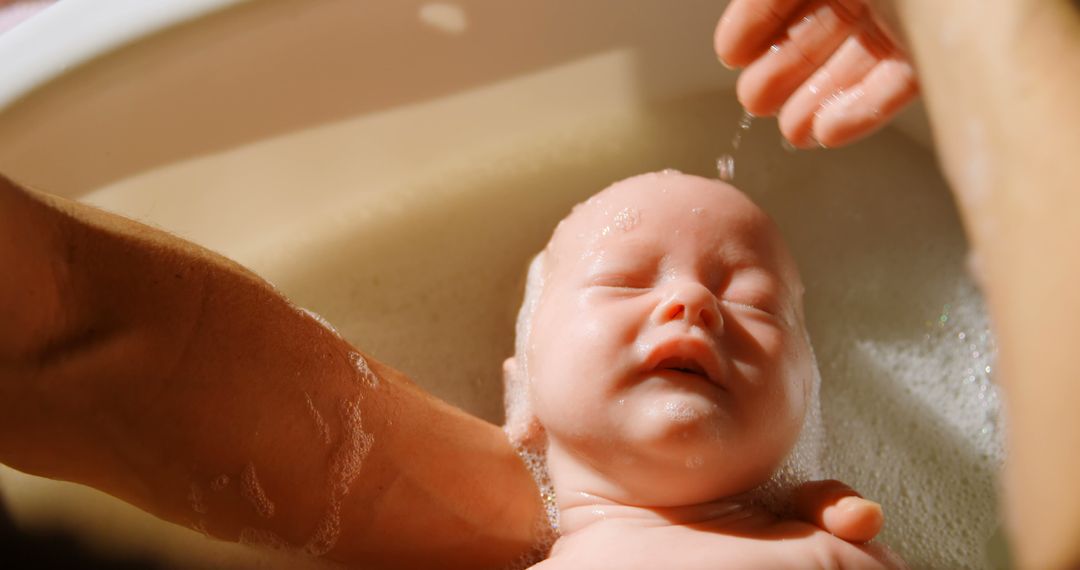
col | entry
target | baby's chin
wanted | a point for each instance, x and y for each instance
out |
(658, 410)
(684, 428)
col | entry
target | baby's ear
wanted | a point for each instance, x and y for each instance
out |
(521, 425)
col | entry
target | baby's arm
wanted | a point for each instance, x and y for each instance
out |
(150, 368)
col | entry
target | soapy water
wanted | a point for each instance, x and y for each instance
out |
(197, 499)
(725, 163)
(547, 529)
(366, 375)
(263, 539)
(319, 319)
(345, 465)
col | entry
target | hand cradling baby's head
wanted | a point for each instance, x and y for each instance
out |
(664, 356)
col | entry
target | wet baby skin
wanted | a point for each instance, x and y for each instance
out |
(667, 370)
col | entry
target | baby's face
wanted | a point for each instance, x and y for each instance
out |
(667, 355)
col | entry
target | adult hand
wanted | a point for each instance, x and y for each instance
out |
(832, 69)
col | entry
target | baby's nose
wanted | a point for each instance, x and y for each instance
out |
(692, 302)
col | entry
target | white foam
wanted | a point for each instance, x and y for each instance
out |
(366, 375)
(319, 319)
(197, 499)
(955, 416)
(320, 424)
(547, 529)
(264, 539)
(345, 465)
(252, 490)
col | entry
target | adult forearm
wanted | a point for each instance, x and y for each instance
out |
(178, 381)
(1002, 81)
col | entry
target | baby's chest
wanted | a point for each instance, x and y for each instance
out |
(690, 549)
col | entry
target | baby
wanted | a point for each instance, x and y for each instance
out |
(663, 365)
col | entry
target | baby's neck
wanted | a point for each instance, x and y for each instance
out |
(579, 510)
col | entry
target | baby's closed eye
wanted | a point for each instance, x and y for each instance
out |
(622, 282)
(760, 306)
(629, 277)
(753, 291)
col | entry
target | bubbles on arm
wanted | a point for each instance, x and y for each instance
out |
(252, 490)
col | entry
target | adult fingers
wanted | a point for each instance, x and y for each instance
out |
(867, 106)
(748, 27)
(838, 509)
(846, 68)
(813, 34)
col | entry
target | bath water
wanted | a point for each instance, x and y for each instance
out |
(725, 163)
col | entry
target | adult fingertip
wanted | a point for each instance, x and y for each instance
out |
(722, 46)
(854, 519)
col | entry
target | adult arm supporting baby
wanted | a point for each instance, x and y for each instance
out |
(180, 382)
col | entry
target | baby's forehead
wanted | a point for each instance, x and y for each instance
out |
(652, 209)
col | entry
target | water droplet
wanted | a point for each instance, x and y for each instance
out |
(626, 219)
(725, 168)
(745, 121)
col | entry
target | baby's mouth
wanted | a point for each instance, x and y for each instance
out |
(687, 357)
(684, 366)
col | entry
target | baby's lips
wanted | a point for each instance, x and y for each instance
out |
(686, 348)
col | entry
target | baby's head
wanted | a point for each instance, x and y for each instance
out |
(662, 355)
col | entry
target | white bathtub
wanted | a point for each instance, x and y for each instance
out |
(392, 164)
